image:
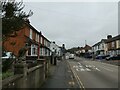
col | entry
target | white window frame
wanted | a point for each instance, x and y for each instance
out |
(44, 42)
(41, 40)
(33, 47)
(30, 33)
(36, 38)
(41, 51)
(119, 43)
(113, 44)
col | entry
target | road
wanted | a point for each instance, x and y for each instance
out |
(93, 74)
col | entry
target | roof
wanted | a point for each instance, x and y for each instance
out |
(87, 47)
(44, 37)
(113, 39)
(36, 30)
(102, 40)
(96, 44)
(32, 27)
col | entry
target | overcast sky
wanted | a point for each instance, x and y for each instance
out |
(72, 23)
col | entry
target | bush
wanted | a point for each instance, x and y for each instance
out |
(7, 74)
(6, 64)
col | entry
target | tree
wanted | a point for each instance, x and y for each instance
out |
(13, 18)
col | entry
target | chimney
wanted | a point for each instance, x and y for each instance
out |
(54, 42)
(27, 20)
(109, 36)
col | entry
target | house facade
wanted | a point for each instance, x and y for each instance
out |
(38, 45)
(44, 46)
(100, 48)
(82, 51)
(109, 46)
(55, 49)
(113, 45)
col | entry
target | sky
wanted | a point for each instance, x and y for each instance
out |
(71, 23)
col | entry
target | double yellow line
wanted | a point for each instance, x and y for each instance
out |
(77, 78)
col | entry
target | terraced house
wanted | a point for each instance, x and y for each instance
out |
(44, 46)
(37, 43)
(113, 45)
(109, 46)
(100, 47)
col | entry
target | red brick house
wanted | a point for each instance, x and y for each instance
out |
(27, 36)
(44, 46)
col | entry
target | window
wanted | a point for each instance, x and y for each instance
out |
(119, 44)
(44, 42)
(30, 33)
(113, 44)
(98, 47)
(43, 52)
(102, 46)
(40, 51)
(36, 37)
(33, 50)
(41, 40)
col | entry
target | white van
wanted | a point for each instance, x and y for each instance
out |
(71, 56)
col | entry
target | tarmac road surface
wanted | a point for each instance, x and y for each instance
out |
(93, 74)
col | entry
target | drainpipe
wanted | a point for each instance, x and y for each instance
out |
(39, 51)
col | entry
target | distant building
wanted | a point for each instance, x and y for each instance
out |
(100, 47)
(55, 49)
(56, 53)
(84, 50)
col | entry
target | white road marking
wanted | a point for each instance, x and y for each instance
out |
(75, 66)
(88, 69)
(82, 69)
(79, 63)
(80, 66)
(97, 69)
(77, 69)
(86, 66)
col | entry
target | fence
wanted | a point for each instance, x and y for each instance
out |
(27, 78)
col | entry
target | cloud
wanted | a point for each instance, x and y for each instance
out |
(73, 23)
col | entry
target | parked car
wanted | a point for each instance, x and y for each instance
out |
(116, 57)
(108, 58)
(88, 56)
(101, 56)
(7, 60)
(7, 55)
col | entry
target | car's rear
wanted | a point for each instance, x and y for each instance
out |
(72, 56)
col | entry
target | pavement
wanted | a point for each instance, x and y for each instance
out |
(60, 76)
(94, 74)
